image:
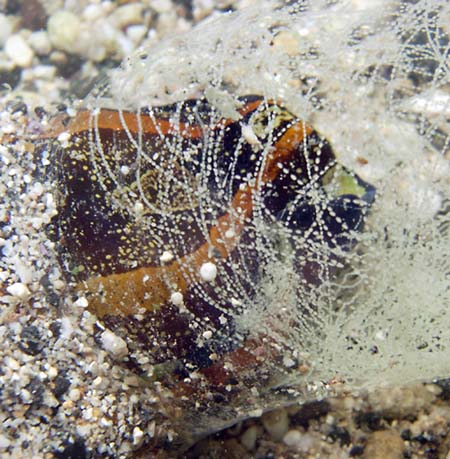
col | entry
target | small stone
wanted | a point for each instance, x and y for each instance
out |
(33, 14)
(64, 30)
(67, 65)
(77, 449)
(339, 433)
(4, 442)
(93, 12)
(40, 42)
(128, 14)
(81, 302)
(6, 28)
(20, 107)
(52, 372)
(138, 436)
(105, 422)
(75, 394)
(36, 392)
(114, 344)
(18, 50)
(12, 364)
(249, 437)
(18, 290)
(208, 271)
(55, 328)
(292, 438)
(132, 381)
(66, 328)
(136, 33)
(44, 72)
(276, 423)
(61, 385)
(83, 430)
(384, 444)
(25, 397)
(11, 76)
(288, 362)
(31, 341)
(161, 6)
(356, 450)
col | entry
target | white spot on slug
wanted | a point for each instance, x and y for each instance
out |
(208, 271)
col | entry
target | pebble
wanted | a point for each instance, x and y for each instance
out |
(292, 437)
(161, 6)
(138, 436)
(25, 274)
(384, 444)
(128, 14)
(4, 442)
(74, 394)
(9, 74)
(136, 33)
(52, 372)
(132, 381)
(64, 30)
(402, 401)
(249, 437)
(66, 330)
(124, 46)
(6, 28)
(276, 423)
(40, 42)
(18, 50)
(39, 72)
(18, 290)
(92, 12)
(81, 302)
(31, 341)
(114, 344)
(300, 441)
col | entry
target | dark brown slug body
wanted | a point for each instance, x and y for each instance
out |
(147, 200)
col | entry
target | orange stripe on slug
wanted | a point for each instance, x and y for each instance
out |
(118, 121)
(126, 293)
(285, 148)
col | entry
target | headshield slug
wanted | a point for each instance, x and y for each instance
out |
(174, 219)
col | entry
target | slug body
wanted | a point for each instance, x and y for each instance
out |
(151, 201)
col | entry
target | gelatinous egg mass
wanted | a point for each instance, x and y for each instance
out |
(172, 219)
